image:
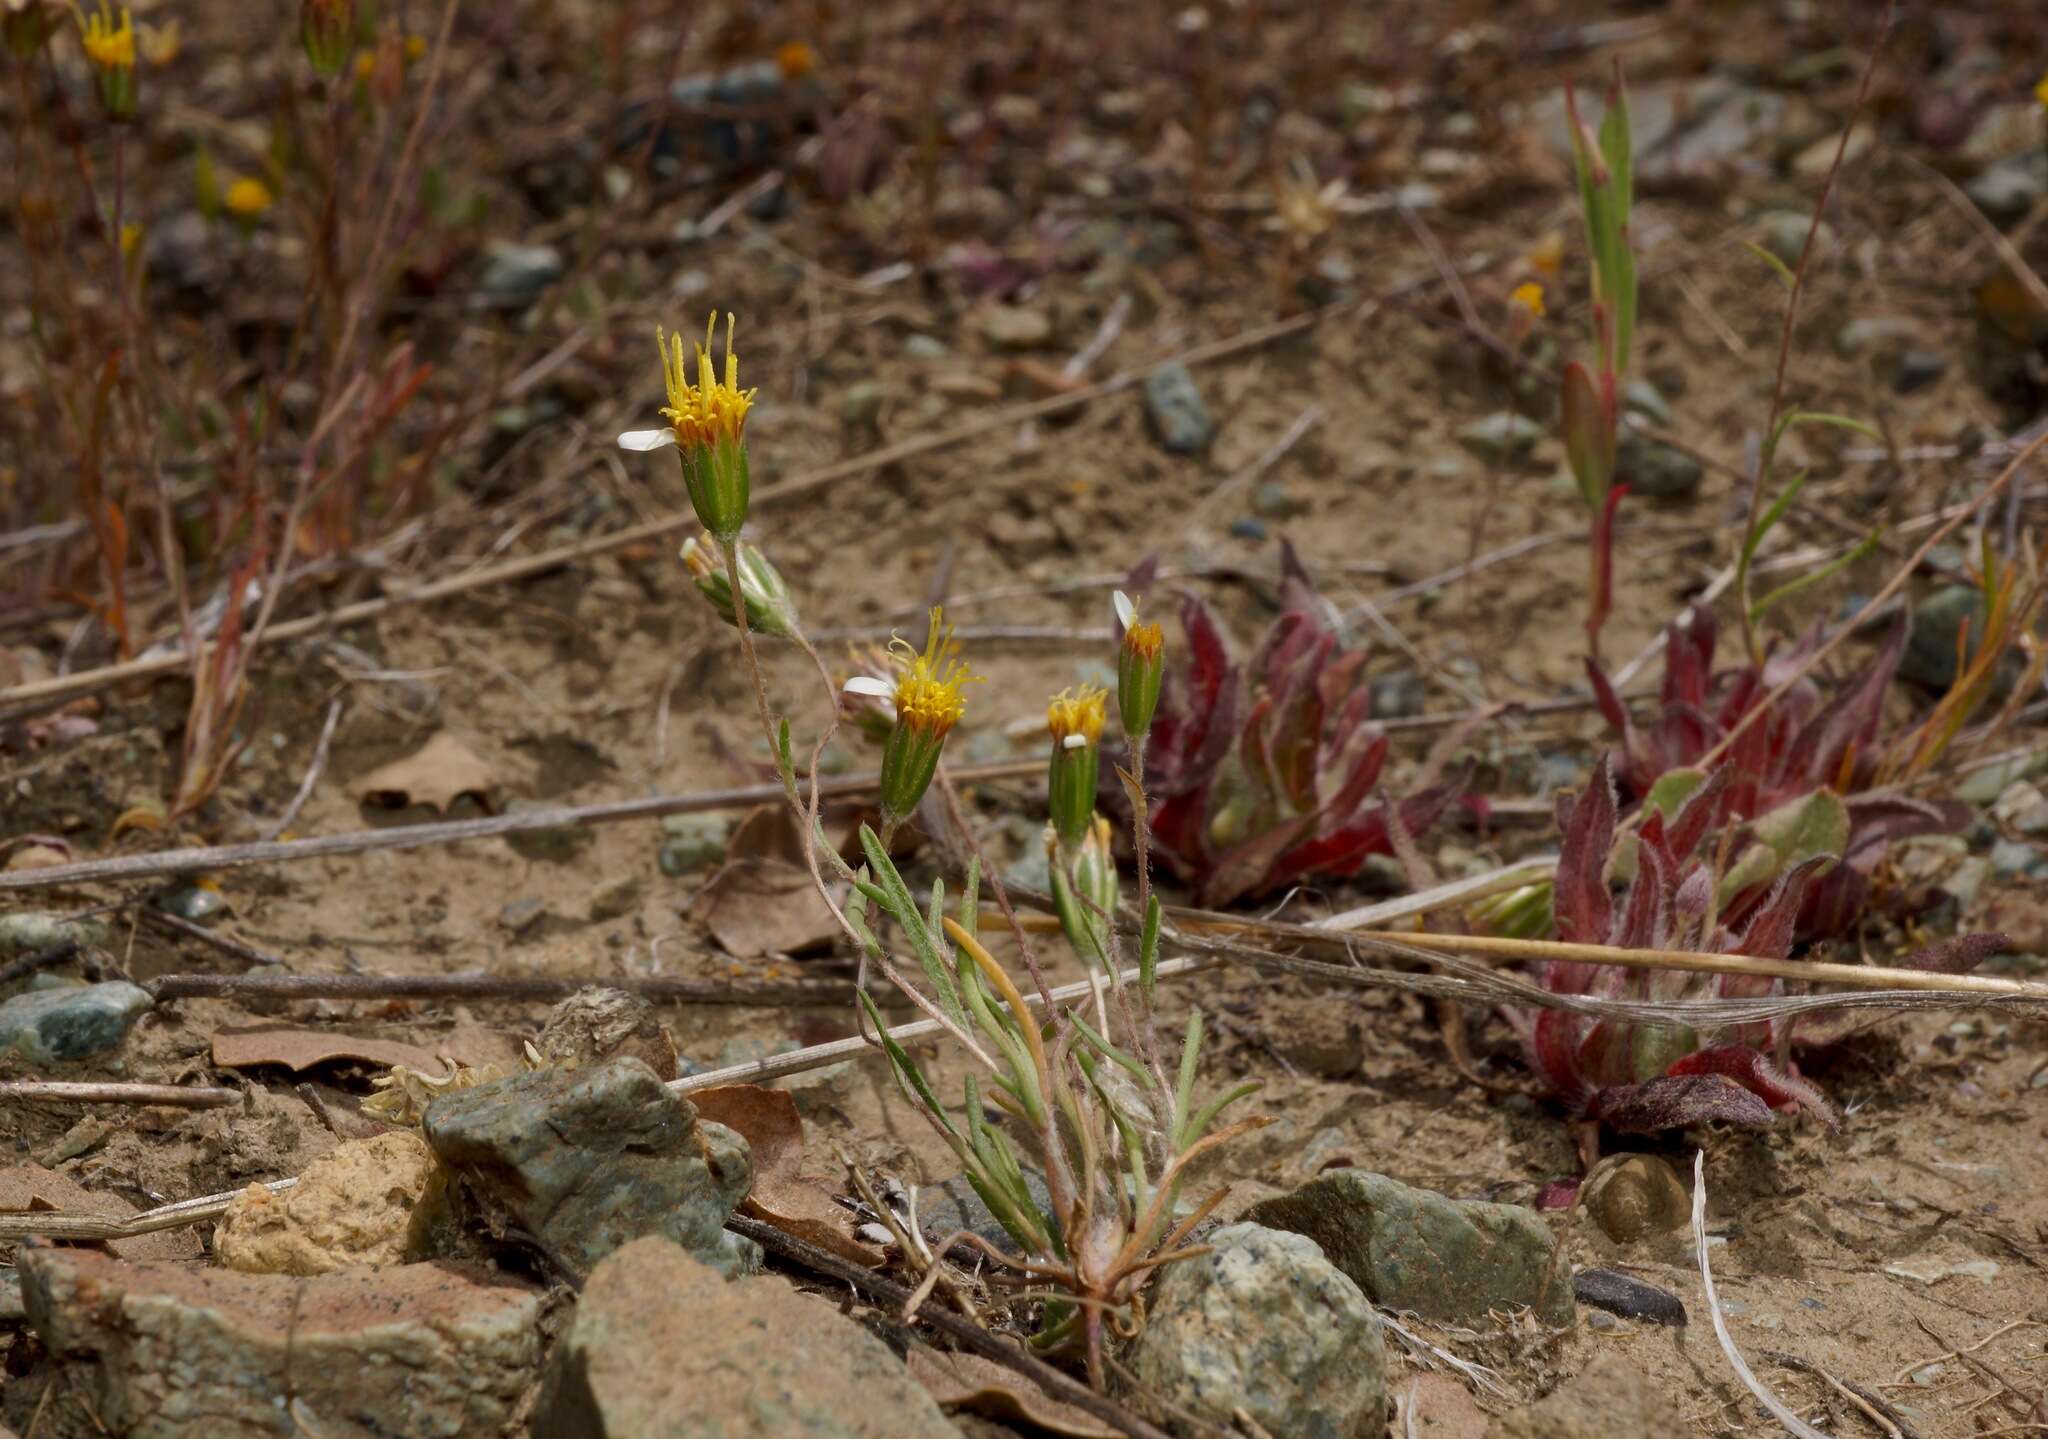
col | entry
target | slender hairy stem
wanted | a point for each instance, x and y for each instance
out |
(1757, 474)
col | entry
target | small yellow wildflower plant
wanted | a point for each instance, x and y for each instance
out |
(707, 425)
(1096, 1107)
(109, 45)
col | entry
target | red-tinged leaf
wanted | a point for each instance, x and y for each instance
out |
(1252, 868)
(1682, 733)
(1558, 1194)
(1584, 910)
(1644, 916)
(1582, 421)
(1553, 1044)
(1701, 813)
(1689, 657)
(1834, 903)
(1357, 785)
(1603, 552)
(1850, 718)
(1959, 955)
(1604, 1052)
(1754, 1071)
(1770, 930)
(1679, 1102)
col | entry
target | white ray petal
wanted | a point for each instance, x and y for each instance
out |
(646, 439)
(1125, 610)
(870, 686)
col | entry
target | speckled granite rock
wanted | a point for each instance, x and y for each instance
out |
(1266, 1324)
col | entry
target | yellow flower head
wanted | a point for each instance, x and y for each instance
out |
(131, 239)
(247, 197)
(1529, 295)
(1080, 712)
(107, 45)
(1143, 641)
(2041, 92)
(928, 692)
(715, 409)
(796, 60)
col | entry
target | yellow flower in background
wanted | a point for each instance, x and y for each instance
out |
(2041, 92)
(796, 60)
(1529, 295)
(1546, 256)
(247, 197)
(415, 46)
(131, 239)
(714, 409)
(109, 46)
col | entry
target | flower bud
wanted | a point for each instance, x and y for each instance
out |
(1075, 719)
(1140, 661)
(770, 610)
(327, 30)
(1085, 896)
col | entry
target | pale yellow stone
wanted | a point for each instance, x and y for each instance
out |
(366, 1202)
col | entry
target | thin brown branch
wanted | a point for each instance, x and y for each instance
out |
(178, 1096)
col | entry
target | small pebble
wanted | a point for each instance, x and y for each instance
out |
(1248, 529)
(520, 914)
(1629, 1297)
(1601, 1321)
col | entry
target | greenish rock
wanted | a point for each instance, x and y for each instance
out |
(34, 930)
(2010, 188)
(950, 1207)
(1446, 1259)
(1399, 695)
(1180, 421)
(663, 1348)
(2022, 808)
(516, 275)
(1654, 470)
(1275, 501)
(1917, 369)
(1502, 437)
(194, 903)
(586, 1160)
(1645, 399)
(50, 1026)
(860, 408)
(1264, 1325)
(1985, 784)
(548, 846)
(1783, 233)
(1930, 657)
(692, 842)
(2011, 857)
(430, 1351)
(1877, 334)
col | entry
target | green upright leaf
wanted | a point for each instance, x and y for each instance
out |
(1778, 266)
(1817, 576)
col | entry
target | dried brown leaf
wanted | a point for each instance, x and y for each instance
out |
(781, 1196)
(758, 907)
(437, 774)
(982, 1386)
(247, 1046)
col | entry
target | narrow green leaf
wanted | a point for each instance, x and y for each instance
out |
(1771, 517)
(1209, 1111)
(970, 898)
(894, 896)
(909, 1077)
(1840, 422)
(1190, 1055)
(1778, 267)
(1819, 576)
